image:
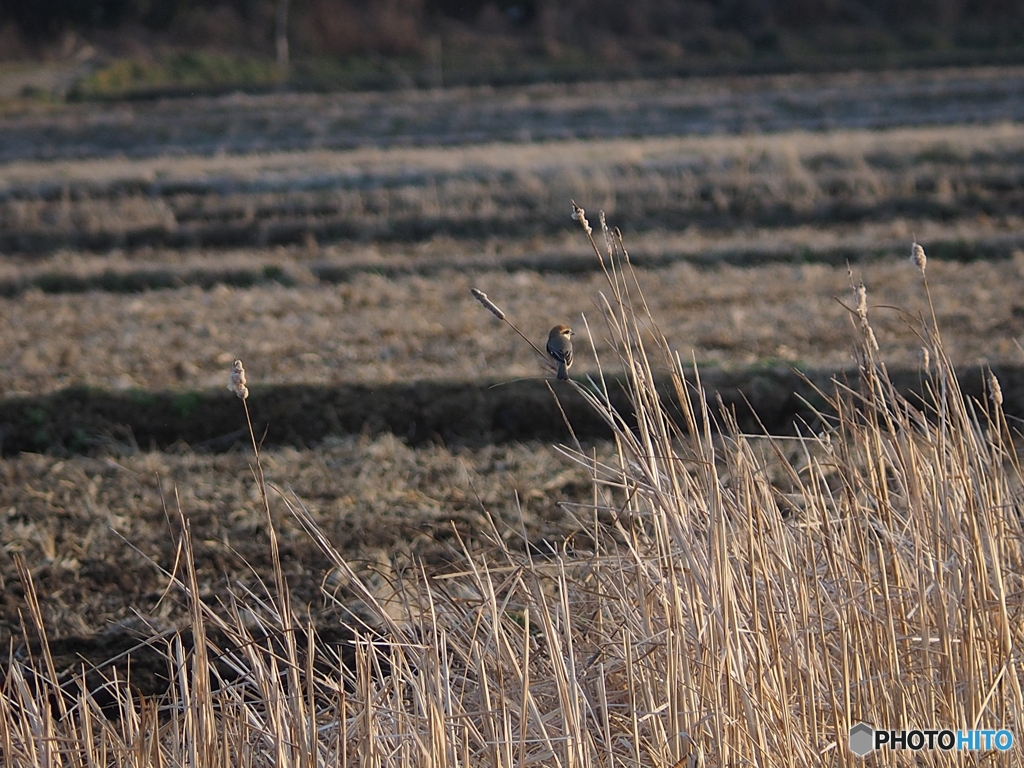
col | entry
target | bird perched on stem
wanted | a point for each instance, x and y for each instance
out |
(560, 349)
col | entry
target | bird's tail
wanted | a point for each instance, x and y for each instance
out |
(563, 371)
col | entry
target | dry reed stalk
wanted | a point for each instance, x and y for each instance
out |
(493, 308)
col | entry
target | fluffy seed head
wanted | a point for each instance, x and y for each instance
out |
(578, 214)
(488, 304)
(994, 390)
(917, 256)
(862, 302)
(237, 382)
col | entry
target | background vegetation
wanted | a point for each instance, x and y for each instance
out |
(139, 45)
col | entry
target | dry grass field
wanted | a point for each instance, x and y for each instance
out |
(735, 229)
(136, 266)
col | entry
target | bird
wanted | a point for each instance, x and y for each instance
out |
(560, 349)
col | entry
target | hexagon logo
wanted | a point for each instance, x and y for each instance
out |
(862, 739)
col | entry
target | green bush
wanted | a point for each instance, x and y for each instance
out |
(196, 70)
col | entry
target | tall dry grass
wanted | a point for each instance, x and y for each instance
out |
(726, 600)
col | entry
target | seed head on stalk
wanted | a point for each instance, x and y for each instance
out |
(917, 256)
(237, 382)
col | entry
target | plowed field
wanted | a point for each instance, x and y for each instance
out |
(330, 242)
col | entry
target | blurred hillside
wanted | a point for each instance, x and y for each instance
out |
(121, 46)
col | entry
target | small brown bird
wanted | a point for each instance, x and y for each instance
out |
(560, 349)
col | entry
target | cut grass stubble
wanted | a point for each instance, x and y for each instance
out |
(741, 600)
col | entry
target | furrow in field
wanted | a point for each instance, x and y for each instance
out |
(776, 399)
(418, 356)
(162, 268)
(374, 330)
(517, 192)
(240, 124)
